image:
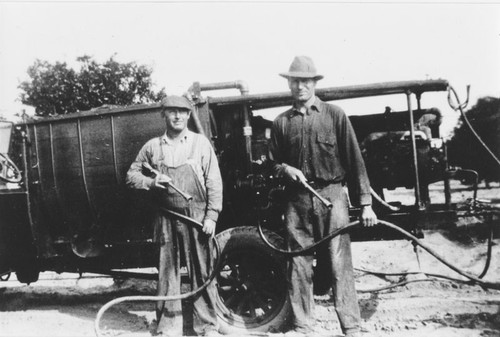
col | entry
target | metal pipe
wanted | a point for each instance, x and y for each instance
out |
(197, 122)
(247, 126)
(247, 133)
(447, 189)
(240, 85)
(324, 201)
(418, 96)
(195, 90)
(264, 101)
(418, 201)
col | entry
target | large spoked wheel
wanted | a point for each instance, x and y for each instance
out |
(252, 287)
(8, 170)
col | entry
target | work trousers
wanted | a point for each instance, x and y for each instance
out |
(307, 221)
(178, 242)
(183, 242)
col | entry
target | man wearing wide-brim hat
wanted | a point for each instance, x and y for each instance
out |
(313, 142)
(302, 67)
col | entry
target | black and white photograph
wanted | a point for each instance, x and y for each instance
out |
(249, 168)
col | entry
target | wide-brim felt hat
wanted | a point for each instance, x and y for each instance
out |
(179, 102)
(302, 67)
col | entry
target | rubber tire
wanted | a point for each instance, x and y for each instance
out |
(28, 274)
(248, 238)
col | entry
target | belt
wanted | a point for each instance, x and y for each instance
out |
(320, 183)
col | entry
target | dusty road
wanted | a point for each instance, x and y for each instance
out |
(66, 305)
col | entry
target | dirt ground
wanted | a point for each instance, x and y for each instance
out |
(66, 305)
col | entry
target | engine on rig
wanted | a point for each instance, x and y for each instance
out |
(386, 144)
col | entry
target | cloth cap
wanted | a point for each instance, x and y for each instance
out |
(302, 67)
(176, 102)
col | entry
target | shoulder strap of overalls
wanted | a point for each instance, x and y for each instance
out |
(193, 146)
(162, 154)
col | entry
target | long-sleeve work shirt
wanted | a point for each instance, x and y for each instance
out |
(202, 159)
(323, 145)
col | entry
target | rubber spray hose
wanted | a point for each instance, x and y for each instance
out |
(193, 293)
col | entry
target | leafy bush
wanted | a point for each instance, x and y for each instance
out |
(466, 151)
(55, 89)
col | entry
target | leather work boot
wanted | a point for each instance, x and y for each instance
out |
(212, 333)
(352, 333)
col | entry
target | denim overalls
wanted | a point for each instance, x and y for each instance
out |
(180, 242)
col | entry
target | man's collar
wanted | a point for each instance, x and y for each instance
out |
(184, 136)
(314, 106)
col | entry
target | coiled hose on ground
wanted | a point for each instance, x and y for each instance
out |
(473, 279)
(193, 293)
(444, 277)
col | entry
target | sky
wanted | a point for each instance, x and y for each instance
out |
(183, 42)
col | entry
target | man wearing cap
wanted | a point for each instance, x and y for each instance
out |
(314, 143)
(186, 160)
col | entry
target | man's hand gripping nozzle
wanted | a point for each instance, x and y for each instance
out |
(148, 167)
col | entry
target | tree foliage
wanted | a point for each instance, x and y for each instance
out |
(55, 89)
(465, 151)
